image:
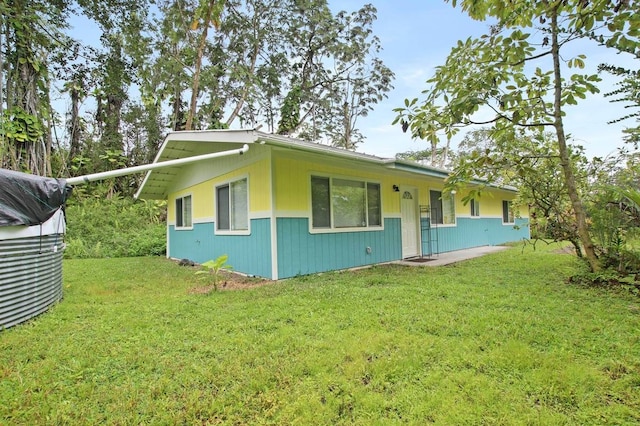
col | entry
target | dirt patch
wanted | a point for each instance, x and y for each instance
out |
(231, 281)
(566, 250)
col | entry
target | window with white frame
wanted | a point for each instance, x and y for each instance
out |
(183, 212)
(507, 212)
(443, 208)
(232, 206)
(475, 207)
(344, 203)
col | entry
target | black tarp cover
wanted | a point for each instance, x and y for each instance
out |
(28, 199)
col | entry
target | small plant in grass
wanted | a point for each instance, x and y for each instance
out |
(212, 269)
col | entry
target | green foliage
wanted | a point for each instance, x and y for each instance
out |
(115, 227)
(440, 157)
(19, 130)
(212, 269)
(615, 235)
(290, 112)
(149, 60)
(30, 33)
(495, 76)
(610, 279)
(614, 212)
(627, 91)
(496, 340)
(357, 81)
(20, 126)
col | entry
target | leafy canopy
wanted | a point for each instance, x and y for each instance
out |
(505, 77)
(520, 76)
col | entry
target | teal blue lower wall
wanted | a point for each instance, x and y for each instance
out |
(249, 254)
(471, 233)
(301, 253)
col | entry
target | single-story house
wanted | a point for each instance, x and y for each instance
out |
(288, 207)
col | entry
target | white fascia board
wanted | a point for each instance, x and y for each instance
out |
(296, 144)
(223, 136)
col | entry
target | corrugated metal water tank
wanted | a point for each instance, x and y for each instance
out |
(30, 270)
(32, 227)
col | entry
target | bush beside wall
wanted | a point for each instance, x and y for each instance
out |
(115, 227)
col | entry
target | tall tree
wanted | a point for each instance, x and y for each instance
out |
(627, 91)
(30, 32)
(517, 79)
(256, 57)
(337, 74)
(207, 14)
(168, 75)
(238, 67)
(363, 79)
(268, 62)
(116, 65)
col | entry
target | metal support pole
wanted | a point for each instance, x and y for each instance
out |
(153, 166)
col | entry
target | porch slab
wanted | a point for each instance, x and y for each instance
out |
(451, 257)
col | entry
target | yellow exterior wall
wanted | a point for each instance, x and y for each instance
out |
(291, 176)
(259, 181)
(490, 203)
(292, 185)
(292, 182)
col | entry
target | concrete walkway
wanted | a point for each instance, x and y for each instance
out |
(452, 256)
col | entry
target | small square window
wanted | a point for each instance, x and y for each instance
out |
(475, 208)
(232, 206)
(183, 212)
(443, 208)
(507, 212)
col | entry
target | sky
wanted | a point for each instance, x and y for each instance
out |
(417, 35)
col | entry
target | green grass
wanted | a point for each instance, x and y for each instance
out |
(496, 340)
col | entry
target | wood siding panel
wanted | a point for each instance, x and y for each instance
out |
(203, 193)
(470, 233)
(249, 254)
(302, 253)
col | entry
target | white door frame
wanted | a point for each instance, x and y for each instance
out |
(410, 232)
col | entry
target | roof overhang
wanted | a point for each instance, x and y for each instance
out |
(182, 144)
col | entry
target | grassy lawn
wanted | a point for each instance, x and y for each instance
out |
(497, 340)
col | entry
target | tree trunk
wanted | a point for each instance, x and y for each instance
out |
(48, 147)
(565, 162)
(1, 66)
(445, 153)
(176, 108)
(8, 95)
(346, 123)
(198, 66)
(245, 92)
(434, 149)
(74, 123)
(33, 149)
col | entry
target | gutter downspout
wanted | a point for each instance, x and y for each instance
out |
(80, 180)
